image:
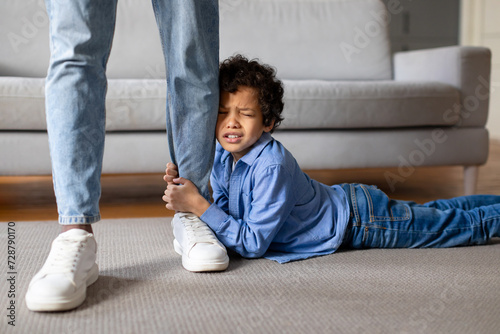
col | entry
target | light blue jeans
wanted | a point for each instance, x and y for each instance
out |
(380, 222)
(81, 32)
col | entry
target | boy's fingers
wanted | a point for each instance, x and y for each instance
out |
(171, 172)
(168, 179)
(179, 180)
(171, 166)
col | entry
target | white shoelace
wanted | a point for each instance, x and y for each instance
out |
(197, 231)
(64, 255)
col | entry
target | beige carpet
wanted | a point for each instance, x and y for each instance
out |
(144, 289)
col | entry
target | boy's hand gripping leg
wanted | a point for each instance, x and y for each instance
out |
(194, 240)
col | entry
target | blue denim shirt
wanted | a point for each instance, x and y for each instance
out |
(268, 207)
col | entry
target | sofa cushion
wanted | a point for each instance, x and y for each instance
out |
(136, 51)
(336, 39)
(314, 104)
(137, 105)
(310, 39)
(131, 105)
(22, 104)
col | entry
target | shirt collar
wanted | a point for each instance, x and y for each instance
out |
(257, 148)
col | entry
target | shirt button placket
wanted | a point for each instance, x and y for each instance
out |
(234, 191)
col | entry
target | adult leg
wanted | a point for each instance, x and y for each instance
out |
(189, 31)
(80, 38)
(81, 33)
(379, 222)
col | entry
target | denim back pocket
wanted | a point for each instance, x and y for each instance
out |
(378, 207)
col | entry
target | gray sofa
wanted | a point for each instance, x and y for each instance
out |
(349, 103)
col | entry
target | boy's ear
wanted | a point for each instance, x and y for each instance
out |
(269, 127)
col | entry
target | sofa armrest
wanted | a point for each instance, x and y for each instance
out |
(464, 67)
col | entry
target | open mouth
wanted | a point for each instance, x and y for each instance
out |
(232, 138)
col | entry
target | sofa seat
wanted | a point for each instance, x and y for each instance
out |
(139, 105)
(318, 104)
(131, 105)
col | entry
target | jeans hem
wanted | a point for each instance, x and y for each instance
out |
(78, 220)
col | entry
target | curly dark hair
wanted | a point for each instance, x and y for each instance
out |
(239, 71)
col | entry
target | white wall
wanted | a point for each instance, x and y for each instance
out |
(480, 25)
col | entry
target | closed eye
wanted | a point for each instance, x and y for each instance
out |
(247, 113)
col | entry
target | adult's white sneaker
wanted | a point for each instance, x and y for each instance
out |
(62, 282)
(198, 245)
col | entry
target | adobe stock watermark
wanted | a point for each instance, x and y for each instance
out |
(31, 25)
(227, 6)
(425, 148)
(373, 28)
(29, 28)
(435, 308)
(272, 308)
(153, 84)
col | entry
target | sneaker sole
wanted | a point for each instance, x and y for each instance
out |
(200, 266)
(65, 303)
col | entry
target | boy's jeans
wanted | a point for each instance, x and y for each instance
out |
(379, 222)
(81, 32)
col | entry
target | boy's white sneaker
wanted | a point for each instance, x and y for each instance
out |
(198, 245)
(62, 282)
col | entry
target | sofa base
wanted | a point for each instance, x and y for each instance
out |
(387, 148)
(27, 153)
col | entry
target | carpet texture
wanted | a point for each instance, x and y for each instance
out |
(142, 288)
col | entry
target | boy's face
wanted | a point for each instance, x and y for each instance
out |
(240, 122)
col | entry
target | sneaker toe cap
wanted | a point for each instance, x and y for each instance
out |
(207, 252)
(52, 285)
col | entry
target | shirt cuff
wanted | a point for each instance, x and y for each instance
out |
(214, 217)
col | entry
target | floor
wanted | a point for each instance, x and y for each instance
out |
(31, 198)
